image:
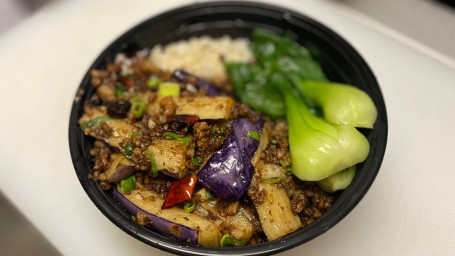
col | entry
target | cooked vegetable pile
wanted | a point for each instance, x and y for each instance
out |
(239, 163)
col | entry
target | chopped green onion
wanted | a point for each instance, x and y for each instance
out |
(133, 217)
(128, 184)
(271, 181)
(169, 89)
(138, 107)
(288, 171)
(152, 82)
(95, 122)
(153, 165)
(185, 140)
(118, 94)
(208, 194)
(195, 161)
(188, 207)
(253, 135)
(130, 146)
(287, 168)
(273, 142)
(227, 240)
(119, 89)
(135, 134)
(186, 218)
(129, 149)
(304, 203)
(214, 132)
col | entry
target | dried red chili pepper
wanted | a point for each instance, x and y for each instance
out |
(127, 82)
(179, 191)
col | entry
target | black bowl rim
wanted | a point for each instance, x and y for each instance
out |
(272, 247)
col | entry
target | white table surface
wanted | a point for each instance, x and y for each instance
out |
(409, 210)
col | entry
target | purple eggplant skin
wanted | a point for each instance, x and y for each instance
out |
(112, 148)
(224, 172)
(229, 171)
(169, 174)
(121, 172)
(246, 144)
(119, 169)
(211, 89)
(165, 227)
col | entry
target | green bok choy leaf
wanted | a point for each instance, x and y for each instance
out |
(341, 103)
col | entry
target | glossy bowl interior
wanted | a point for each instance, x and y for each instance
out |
(339, 61)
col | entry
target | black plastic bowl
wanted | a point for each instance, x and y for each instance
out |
(339, 60)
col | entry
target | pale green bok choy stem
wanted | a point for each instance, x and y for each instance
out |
(319, 149)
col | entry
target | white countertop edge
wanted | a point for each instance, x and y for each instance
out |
(364, 20)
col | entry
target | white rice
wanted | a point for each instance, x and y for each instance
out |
(202, 56)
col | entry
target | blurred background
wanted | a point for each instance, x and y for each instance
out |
(428, 22)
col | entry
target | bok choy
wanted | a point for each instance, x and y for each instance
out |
(341, 103)
(319, 149)
(287, 80)
(338, 181)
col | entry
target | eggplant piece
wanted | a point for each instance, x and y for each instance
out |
(173, 222)
(270, 171)
(92, 112)
(219, 107)
(247, 145)
(170, 157)
(237, 226)
(229, 171)
(183, 76)
(204, 107)
(275, 214)
(120, 168)
(224, 173)
(263, 141)
(119, 128)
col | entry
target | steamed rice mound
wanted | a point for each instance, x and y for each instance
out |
(202, 56)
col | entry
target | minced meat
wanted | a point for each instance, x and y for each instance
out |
(127, 78)
(310, 202)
